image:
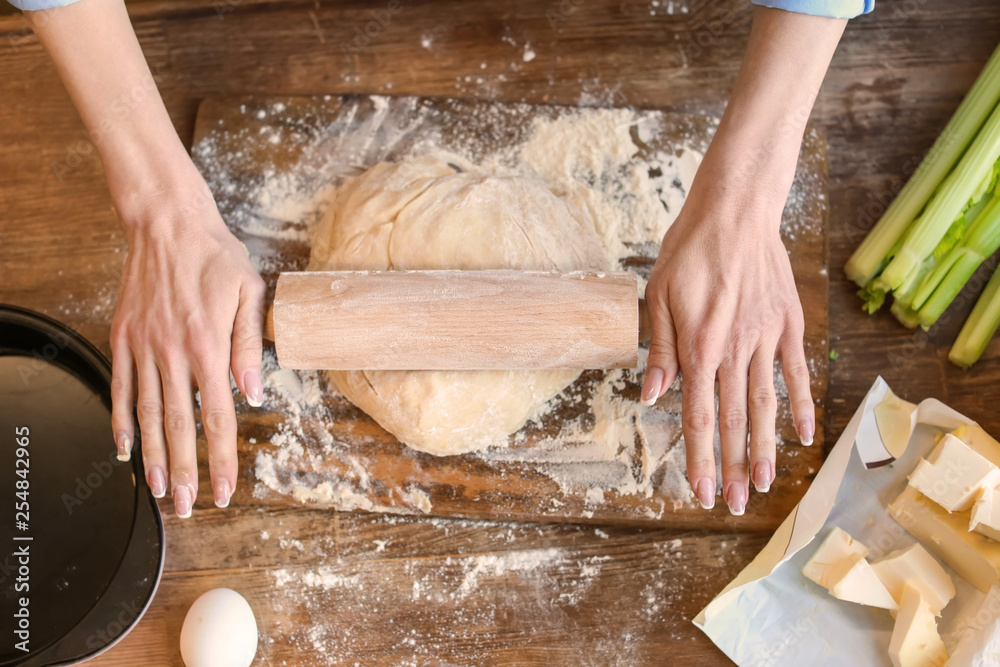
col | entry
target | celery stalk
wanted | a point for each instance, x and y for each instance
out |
(980, 327)
(943, 284)
(950, 202)
(906, 316)
(877, 248)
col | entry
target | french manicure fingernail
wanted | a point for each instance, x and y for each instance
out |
(651, 386)
(183, 500)
(124, 444)
(806, 432)
(736, 498)
(762, 476)
(223, 492)
(705, 490)
(253, 388)
(157, 482)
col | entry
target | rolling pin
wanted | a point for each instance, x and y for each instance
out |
(456, 320)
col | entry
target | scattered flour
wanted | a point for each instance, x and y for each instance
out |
(447, 607)
(635, 178)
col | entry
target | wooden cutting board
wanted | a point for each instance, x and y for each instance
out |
(272, 164)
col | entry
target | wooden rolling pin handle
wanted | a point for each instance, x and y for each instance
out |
(269, 324)
(645, 325)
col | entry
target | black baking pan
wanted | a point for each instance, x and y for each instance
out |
(81, 538)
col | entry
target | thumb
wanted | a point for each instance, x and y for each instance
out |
(662, 365)
(247, 341)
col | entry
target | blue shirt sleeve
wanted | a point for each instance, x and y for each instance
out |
(836, 9)
(35, 5)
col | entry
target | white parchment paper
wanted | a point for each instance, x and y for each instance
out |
(772, 615)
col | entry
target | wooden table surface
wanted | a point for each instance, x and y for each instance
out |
(615, 596)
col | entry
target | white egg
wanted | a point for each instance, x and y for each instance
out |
(219, 631)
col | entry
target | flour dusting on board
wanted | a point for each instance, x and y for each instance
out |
(622, 166)
(328, 605)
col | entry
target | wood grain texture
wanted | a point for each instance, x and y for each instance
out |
(897, 77)
(456, 320)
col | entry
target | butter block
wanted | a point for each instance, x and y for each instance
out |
(915, 640)
(954, 475)
(915, 567)
(979, 645)
(832, 559)
(860, 584)
(985, 518)
(980, 441)
(947, 536)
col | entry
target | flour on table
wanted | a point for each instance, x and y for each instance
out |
(615, 447)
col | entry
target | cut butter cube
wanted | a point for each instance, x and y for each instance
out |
(947, 536)
(982, 442)
(954, 475)
(916, 568)
(831, 560)
(860, 584)
(985, 518)
(915, 640)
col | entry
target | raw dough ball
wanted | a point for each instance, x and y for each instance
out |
(219, 631)
(425, 214)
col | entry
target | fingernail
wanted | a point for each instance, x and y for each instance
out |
(705, 490)
(124, 444)
(736, 498)
(253, 388)
(651, 386)
(183, 500)
(762, 476)
(157, 482)
(223, 493)
(806, 432)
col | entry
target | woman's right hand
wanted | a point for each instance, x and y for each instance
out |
(191, 306)
(190, 309)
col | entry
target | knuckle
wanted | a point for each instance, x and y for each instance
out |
(119, 334)
(763, 442)
(797, 371)
(149, 411)
(702, 356)
(734, 471)
(248, 339)
(763, 399)
(119, 387)
(700, 465)
(219, 422)
(661, 347)
(198, 336)
(177, 421)
(698, 419)
(735, 420)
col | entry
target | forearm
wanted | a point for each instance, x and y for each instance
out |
(756, 147)
(99, 60)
